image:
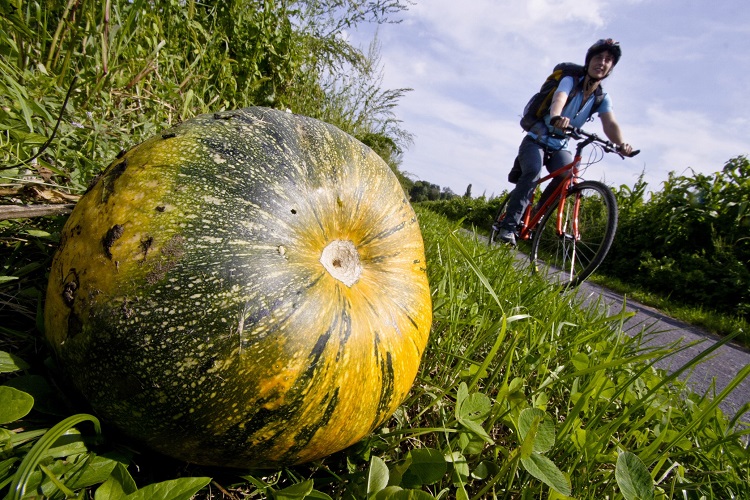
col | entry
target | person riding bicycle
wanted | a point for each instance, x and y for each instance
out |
(545, 143)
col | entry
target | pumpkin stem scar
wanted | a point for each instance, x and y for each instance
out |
(341, 260)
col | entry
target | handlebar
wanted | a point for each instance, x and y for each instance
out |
(610, 147)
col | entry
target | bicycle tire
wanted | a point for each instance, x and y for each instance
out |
(571, 260)
(498, 217)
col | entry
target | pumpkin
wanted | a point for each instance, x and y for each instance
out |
(247, 289)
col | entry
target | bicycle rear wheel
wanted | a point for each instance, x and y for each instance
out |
(570, 258)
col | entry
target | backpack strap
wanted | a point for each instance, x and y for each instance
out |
(598, 96)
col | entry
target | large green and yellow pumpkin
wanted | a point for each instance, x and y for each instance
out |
(247, 289)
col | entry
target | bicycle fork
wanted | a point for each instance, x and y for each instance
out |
(568, 219)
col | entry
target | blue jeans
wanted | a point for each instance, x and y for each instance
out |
(532, 156)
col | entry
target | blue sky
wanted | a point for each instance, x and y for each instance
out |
(681, 91)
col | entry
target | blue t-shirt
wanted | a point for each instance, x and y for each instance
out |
(575, 109)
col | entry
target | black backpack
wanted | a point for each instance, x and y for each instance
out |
(539, 104)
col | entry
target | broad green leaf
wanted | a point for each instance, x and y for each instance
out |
(388, 493)
(485, 469)
(477, 429)
(46, 399)
(37, 233)
(5, 468)
(396, 493)
(14, 404)
(470, 443)
(427, 467)
(580, 361)
(633, 477)
(397, 471)
(528, 438)
(174, 489)
(475, 407)
(10, 362)
(460, 467)
(119, 484)
(461, 395)
(377, 477)
(6, 443)
(96, 470)
(547, 472)
(515, 385)
(544, 438)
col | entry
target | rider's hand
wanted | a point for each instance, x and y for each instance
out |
(561, 122)
(625, 149)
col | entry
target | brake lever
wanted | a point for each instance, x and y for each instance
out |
(574, 133)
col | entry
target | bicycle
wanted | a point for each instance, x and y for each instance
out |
(573, 229)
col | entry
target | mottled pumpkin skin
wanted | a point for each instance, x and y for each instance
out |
(189, 305)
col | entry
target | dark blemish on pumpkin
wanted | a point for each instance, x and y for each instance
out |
(93, 182)
(168, 135)
(110, 175)
(161, 208)
(171, 253)
(416, 261)
(75, 326)
(207, 365)
(146, 244)
(109, 239)
(69, 292)
(294, 211)
(218, 146)
(336, 263)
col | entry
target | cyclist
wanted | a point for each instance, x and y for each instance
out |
(545, 144)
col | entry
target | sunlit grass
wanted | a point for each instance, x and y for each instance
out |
(523, 392)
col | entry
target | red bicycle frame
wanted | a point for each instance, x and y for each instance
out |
(529, 222)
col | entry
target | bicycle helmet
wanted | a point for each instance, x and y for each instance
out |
(604, 45)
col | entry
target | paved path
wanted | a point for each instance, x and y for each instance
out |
(722, 365)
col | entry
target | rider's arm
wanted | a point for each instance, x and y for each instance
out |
(558, 103)
(612, 131)
(559, 98)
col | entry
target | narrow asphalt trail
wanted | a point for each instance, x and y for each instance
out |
(720, 367)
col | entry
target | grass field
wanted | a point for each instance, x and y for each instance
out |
(522, 393)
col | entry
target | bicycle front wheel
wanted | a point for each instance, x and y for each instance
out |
(588, 222)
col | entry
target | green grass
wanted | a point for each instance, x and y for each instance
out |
(713, 321)
(522, 393)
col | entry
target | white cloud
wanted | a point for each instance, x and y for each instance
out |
(678, 92)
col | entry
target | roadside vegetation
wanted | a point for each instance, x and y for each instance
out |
(523, 392)
(684, 249)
